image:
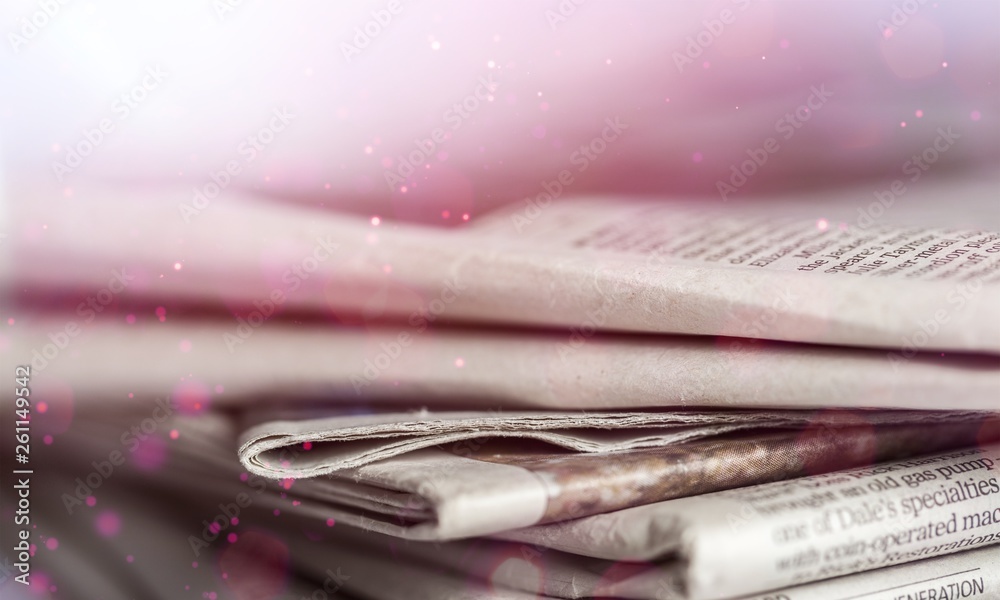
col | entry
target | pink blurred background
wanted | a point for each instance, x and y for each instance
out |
(697, 84)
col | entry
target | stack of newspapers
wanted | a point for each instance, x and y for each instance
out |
(595, 397)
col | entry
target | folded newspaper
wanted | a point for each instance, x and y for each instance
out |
(809, 537)
(694, 405)
(602, 263)
(465, 487)
(778, 534)
(285, 363)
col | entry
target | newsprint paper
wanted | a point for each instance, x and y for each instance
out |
(786, 533)
(589, 264)
(481, 486)
(283, 364)
(934, 521)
